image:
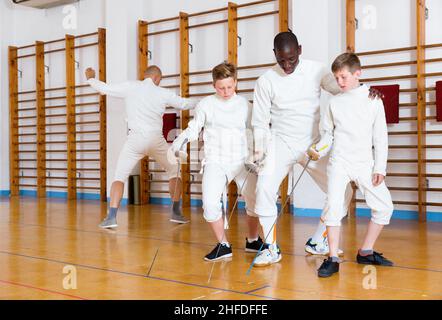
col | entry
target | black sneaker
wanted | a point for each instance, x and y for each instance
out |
(221, 251)
(255, 246)
(374, 259)
(327, 268)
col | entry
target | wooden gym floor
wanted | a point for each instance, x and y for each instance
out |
(40, 237)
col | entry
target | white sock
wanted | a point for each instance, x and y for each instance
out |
(226, 243)
(320, 233)
(250, 240)
(269, 228)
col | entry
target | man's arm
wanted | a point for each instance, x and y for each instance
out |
(191, 133)
(249, 130)
(261, 116)
(180, 103)
(329, 84)
(115, 90)
(326, 128)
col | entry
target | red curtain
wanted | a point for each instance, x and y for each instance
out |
(439, 100)
(169, 123)
(391, 101)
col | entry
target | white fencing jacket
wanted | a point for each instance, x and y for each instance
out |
(145, 102)
(227, 133)
(289, 105)
(354, 124)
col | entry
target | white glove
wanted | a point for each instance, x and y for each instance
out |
(174, 157)
(255, 162)
(178, 148)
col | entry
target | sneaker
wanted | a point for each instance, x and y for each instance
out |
(179, 219)
(256, 245)
(320, 249)
(268, 256)
(375, 259)
(221, 251)
(328, 268)
(108, 223)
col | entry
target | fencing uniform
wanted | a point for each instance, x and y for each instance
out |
(227, 139)
(145, 106)
(354, 124)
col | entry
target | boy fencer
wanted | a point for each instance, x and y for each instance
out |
(225, 118)
(351, 127)
(145, 103)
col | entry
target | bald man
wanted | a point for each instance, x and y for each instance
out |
(145, 103)
(285, 121)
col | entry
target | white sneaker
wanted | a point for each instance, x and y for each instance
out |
(320, 249)
(268, 256)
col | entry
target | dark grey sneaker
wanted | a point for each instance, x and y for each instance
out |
(328, 268)
(374, 259)
(179, 219)
(108, 223)
(221, 251)
(256, 245)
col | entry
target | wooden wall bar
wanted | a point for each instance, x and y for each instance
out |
(351, 25)
(142, 66)
(232, 48)
(283, 15)
(103, 114)
(184, 77)
(70, 118)
(14, 163)
(42, 169)
(41, 119)
(351, 44)
(421, 108)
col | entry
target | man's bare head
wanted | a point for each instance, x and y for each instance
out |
(287, 51)
(154, 73)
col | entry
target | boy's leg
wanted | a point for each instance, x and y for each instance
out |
(379, 201)
(332, 216)
(247, 180)
(333, 240)
(213, 184)
(318, 243)
(330, 266)
(130, 155)
(373, 232)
